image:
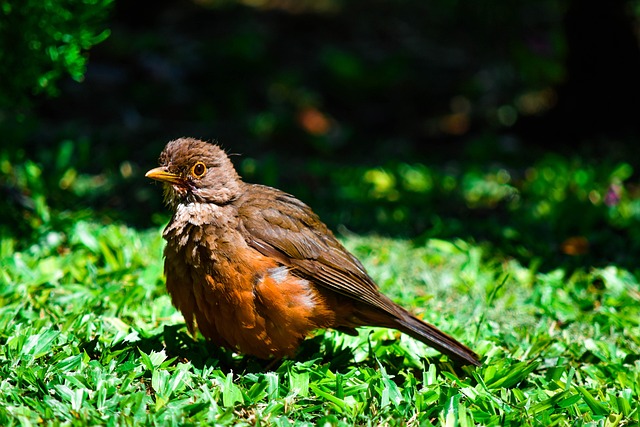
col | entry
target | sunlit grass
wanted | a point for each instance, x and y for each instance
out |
(534, 267)
(89, 336)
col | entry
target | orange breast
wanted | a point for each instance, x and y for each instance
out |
(248, 303)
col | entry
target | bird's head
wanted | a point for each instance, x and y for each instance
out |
(195, 171)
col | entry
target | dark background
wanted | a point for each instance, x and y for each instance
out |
(513, 123)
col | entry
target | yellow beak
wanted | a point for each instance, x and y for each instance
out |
(161, 174)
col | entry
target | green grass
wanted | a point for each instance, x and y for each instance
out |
(88, 336)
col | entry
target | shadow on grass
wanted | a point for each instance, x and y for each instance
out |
(323, 351)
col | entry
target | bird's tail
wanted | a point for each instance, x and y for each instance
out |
(435, 338)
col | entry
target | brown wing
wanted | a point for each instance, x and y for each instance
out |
(279, 225)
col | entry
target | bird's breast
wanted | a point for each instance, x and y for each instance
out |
(236, 296)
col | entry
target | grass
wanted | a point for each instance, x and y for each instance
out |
(89, 337)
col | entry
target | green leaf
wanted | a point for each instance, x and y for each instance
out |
(338, 404)
(596, 407)
(299, 381)
(39, 345)
(231, 394)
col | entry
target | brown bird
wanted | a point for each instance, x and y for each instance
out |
(256, 271)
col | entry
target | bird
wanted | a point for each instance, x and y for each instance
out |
(255, 270)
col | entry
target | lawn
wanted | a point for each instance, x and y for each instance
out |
(533, 267)
(89, 337)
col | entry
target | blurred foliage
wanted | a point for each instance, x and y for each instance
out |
(319, 104)
(48, 190)
(41, 41)
(306, 76)
(557, 210)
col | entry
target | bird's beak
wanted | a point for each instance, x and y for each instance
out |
(161, 174)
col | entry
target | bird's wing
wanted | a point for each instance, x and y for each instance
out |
(281, 226)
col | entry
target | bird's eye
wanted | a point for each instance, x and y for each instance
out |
(198, 170)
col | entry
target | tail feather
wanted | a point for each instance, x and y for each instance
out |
(437, 339)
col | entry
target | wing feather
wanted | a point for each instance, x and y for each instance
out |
(281, 226)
